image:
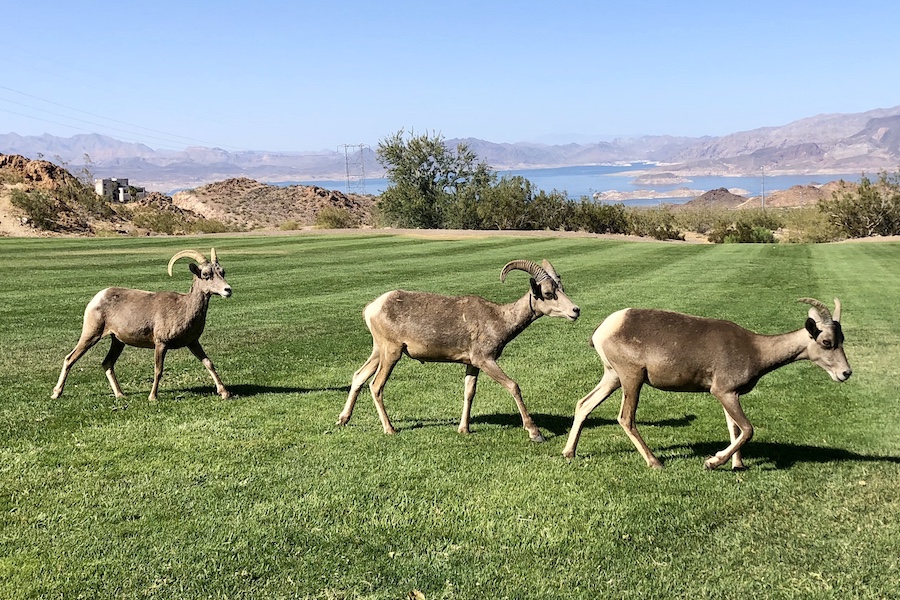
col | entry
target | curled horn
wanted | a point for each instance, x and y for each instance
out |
(823, 310)
(528, 266)
(551, 271)
(189, 253)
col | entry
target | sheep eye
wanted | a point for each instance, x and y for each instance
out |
(826, 343)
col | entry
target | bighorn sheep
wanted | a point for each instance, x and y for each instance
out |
(682, 353)
(158, 320)
(462, 329)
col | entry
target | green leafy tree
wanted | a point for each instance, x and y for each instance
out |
(429, 181)
(873, 208)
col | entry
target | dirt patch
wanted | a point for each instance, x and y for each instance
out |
(11, 218)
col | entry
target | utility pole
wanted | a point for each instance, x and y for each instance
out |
(354, 161)
(763, 194)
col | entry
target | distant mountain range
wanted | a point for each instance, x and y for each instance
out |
(834, 143)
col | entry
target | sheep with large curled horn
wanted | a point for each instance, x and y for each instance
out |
(158, 320)
(463, 329)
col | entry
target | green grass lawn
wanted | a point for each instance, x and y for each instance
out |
(262, 496)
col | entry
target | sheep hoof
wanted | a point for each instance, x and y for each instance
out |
(537, 437)
(225, 394)
(711, 463)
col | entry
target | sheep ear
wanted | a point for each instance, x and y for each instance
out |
(536, 289)
(812, 328)
(194, 269)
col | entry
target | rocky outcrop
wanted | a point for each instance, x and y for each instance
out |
(40, 173)
(718, 198)
(251, 204)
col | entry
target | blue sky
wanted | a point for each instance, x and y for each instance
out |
(305, 76)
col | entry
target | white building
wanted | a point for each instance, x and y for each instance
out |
(118, 190)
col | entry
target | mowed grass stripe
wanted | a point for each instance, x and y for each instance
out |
(262, 496)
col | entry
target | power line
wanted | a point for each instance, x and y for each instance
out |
(172, 137)
(79, 120)
(12, 112)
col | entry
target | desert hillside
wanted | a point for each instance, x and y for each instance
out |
(38, 197)
(249, 204)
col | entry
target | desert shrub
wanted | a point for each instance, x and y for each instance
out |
(335, 217)
(702, 219)
(552, 210)
(755, 226)
(78, 195)
(741, 232)
(808, 225)
(290, 225)
(597, 217)
(872, 208)
(507, 204)
(766, 218)
(10, 176)
(204, 225)
(39, 207)
(159, 221)
(463, 210)
(659, 224)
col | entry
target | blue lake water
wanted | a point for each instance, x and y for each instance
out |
(586, 180)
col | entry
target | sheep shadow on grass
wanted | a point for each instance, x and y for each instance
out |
(773, 455)
(248, 390)
(560, 424)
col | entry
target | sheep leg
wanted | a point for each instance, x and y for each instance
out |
(361, 376)
(631, 393)
(737, 462)
(87, 341)
(469, 393)
(387, 362)
(160, 358)
(197, 351)
(608, 384)
(731, 403)
(115, 350)
(496, 373)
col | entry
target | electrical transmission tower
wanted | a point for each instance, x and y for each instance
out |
(354, 159)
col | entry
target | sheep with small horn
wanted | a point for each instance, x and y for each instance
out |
(682, 353)
(463, 329)
(159, 320)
